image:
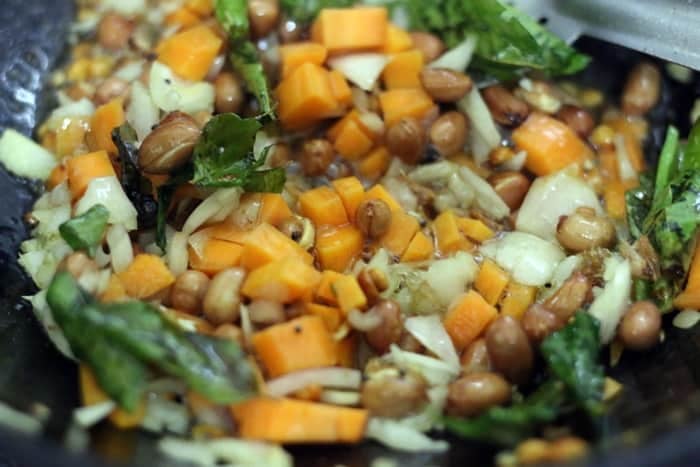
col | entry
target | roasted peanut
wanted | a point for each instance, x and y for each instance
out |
(578, 119)
(509, 349)
(642, 89)
(538, 322)
(476, 392)
(448, 134)
(373, 283)
(475, 358)
(245, 216)
(570, 297)
(109, 89)
(229, 331)
(170, 145)
(114, 31)
(188, 291)
(77, 264)
(394, 394)
(222, 301)
(266, 312)
(317, 154)
(445, 85)
(373, 218)
(500, 155)
(406, 140)
(641, 326)
(585, 229)
(430, 45)
(390, 330)
(506, 109)
(263, 16)
(228, 92)
(511, 187)
(279, 155)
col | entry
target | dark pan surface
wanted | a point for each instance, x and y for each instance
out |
(655, 423)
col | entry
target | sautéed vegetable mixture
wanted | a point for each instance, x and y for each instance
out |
(276, 222)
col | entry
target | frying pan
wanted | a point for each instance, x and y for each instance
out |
(656, 422)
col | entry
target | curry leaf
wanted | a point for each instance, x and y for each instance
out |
(509, 42)
(85, 231)
(572, 356)
(224, 156)
(122, 342)
(233, 16)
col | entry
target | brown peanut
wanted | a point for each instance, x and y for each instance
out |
(506, 109)
(170, 144)
(445, 85)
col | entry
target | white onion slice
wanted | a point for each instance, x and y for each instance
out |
(172, 93)
(198, 241)
(329, 396)
(109, 192)
(177, 255)
(485, 197)
(362, 69)
(142, 112)
(431, 333)
(364, 321)
(458, 57)
(480, 116)
(92, 414)
(529, 259)
(401, 437)
(20, 421)
(223, 198)
(686, 319)
(334, 377)
(610, 305)
(436, 372)
(23, 157)
(229, 450)
(120, 247)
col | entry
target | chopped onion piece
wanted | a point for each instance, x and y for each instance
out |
(611, 303)
(109, 192)
(131, 71)
(485, 197)
(686, 319)
(164, 415)
(561, 273)
(436, 372)
(529, 259)
(624, 164)
(120, 248)
(401, 437)
(426, 419)
(246, 324)
(480, 117)
(462, 192)
(431, 333)
(362, 69)
(458, 57)
(551, 197)
(230, 451)
(73, 109)
(92, 414)
(42, 311)
(23, 157)
(20, 421)
(142, 112)
(124, 7)
(177, 255)
(334, 377)
(364, 321)
(223, 198)
(449, 277)
(515, 163)
(436, 172)
(171, 93)
(198, 241)
(330, 396)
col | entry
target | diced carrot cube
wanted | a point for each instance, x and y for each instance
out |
(491, 281)
(467, 318)
(348, 293)
(475, 229)
(297, 53)
(217, 256)
(403, 71)
(295, 345)
(399, 103)
(83, 169)
(375, 164)
(282, 281)
(331, 316)
(305, 97)
(146, 276)
(449, 237)
(266, 244)
(420, 249)
(401, 231)
(190, 53)
(344, 30)
(352, 142)
(340, 88)
(379, 192)
(351, 191)
(323, 206)
(324, 292)
(397, 40)
(517, 299)
(274, 209)
(337, 248)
